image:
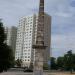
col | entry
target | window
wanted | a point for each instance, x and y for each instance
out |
(25, 56)
(28, 59)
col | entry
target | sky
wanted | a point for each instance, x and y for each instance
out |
(63, 20)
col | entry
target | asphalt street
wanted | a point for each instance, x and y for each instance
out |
(19, 71)
(24, 73)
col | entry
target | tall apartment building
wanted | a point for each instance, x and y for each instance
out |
(11, 34)
(26, 37)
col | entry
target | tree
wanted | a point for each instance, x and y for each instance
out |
(2, 35)
(66, 62)
(6, 54)
(60, 63)
(69, 61)
(53, 63)
(73, 60)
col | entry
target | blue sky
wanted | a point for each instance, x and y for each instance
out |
(63, 20)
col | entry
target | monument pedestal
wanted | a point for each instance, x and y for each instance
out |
(38, 72)
(38, 63)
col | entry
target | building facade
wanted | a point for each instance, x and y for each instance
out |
(11, 34)
(26, 37)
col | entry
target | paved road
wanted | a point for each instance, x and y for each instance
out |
(15, 73)
(19, 71)
(23, 73)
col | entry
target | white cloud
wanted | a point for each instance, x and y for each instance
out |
(12, 10)
(62, 14)
(62, 43)
(63, 19)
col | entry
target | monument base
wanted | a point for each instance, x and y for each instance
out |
(38, 72)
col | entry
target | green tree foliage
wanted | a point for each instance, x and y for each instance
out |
(73, 61)
(2, 35)
(69, 61)
(53, 63)
(6, 54)
(66, 62)
(60, 62)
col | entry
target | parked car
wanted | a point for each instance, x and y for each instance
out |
(28, 70)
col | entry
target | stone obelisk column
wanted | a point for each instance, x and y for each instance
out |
(39, 46)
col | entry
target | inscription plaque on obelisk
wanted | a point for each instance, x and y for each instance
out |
(39, 46)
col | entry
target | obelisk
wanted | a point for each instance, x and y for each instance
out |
(39, 46)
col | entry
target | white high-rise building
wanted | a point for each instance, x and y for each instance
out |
(11, 34)
(26, 37)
